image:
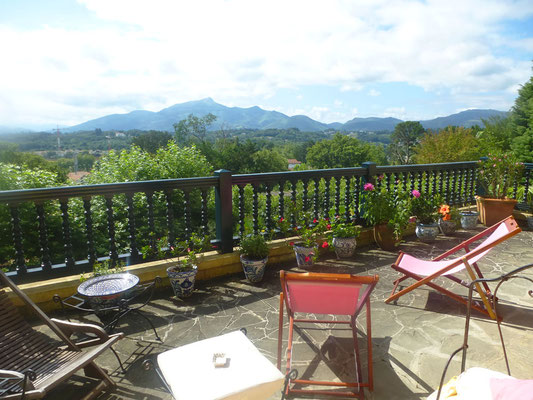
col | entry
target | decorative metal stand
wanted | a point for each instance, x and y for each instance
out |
(110, 312)
(515, 274)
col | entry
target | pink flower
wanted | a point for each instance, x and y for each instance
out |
(188, 249)
(325, 244)
(368, 187)
(328, 227)
(415, 193)
(315, 221)
(412, 220)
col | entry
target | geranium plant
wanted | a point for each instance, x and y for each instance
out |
(425, 206)
(382, 206)
(497, 173)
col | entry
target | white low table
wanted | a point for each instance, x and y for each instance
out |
(191, 374)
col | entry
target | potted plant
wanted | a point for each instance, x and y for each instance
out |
(426, 209)
(343, 237)
(306, 245)
(469, 219)
(254, 256)
(497, 173)
(387, 212)
(183, 257)
(448, 219)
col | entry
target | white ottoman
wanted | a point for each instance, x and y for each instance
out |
(191, 373)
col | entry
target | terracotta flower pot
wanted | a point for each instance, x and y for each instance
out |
(492, 211)
(384, 237)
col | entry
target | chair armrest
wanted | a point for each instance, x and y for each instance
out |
(69, 328)
(24, 378)
(8, 374)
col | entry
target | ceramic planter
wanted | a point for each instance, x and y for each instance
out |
(304, 255)
(447, 227)
(253, 269)
(344, 247)
(469, 219)
(427, 232)
(385, 238)
(492, 211)
(182, 282)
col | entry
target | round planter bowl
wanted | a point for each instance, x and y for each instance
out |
(427, 232)
(447, 227)
(344, 247)
(182, 282)
(384, 237)
(253, 269)
(469, 219)
(304, 255)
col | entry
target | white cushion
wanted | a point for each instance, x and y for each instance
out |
(191, 374)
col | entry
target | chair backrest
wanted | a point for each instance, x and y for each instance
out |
(338, 294)
(505, 229)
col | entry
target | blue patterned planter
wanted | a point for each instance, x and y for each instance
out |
(344, 247)
(253, 269)
(304, 255)
(469, 219)
(427, 232)
(182, 282)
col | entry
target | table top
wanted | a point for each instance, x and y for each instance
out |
(107, 285)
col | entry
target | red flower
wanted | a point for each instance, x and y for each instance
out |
(281, 219)
(328, 226)
(325, 244)
(291, 244)
(315, 221)
(307, 259)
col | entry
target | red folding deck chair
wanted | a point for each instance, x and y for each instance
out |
(424, 271)
(334, 294)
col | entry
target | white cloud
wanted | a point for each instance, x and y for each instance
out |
(163, 52)
(374, 92)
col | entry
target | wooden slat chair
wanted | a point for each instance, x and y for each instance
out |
(32, 363)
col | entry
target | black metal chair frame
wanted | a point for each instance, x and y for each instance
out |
(515, 274)
(121, 309)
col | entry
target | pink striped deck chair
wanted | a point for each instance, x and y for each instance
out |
(332, 294)
(424, 271)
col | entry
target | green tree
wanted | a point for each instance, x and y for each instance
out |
(343, 151)
(405, 137)
(152, 140)
(193, 127)
(496, 136)
(522, 123)
(268, 161)
(448, 145)
(86, 161)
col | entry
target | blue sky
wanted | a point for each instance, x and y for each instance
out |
(65, 62)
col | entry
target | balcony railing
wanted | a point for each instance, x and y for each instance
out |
(65, 230)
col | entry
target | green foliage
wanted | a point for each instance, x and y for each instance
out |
(425, 207)
(497, 173)
(343, 151)
(341, 229)
(103, 268)
(151, 141)
(193, 127)
(254, 246)
(522, 123)
(496, 136)
(448, 145)
(405, 137)
(381, 206)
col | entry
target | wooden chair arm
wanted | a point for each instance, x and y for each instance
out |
(68, 328)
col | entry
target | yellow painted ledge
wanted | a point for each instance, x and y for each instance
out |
(211, 265)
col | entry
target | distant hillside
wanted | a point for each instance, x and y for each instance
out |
(257, 118)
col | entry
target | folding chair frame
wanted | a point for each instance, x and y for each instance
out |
(355, 387)
(472, 269)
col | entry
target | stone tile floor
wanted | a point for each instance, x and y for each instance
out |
(411, 339)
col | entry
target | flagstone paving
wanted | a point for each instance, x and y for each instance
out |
(412, 339)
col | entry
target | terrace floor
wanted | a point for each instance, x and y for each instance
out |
(411, 339)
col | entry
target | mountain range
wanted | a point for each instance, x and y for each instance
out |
(257, 118)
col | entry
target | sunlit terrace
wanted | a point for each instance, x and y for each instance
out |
(412, 339)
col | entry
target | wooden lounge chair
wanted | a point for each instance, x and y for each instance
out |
(424, 271)
(332, 294)
(32, 363)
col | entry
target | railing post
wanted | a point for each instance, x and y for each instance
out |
(371, 168)
(224, 211)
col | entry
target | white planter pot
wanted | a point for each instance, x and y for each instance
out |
(469, 219)
(427, 232)
(182, 282)
(253, 269)
(344, 247)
